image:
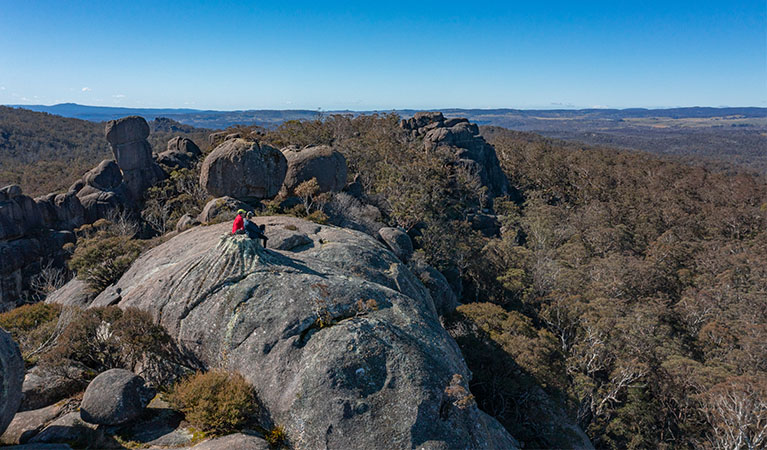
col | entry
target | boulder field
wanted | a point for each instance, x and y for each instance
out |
(340, 340)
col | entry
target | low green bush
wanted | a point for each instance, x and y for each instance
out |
(31, 327)
(216, 402)
(99, 339)
(102, 259)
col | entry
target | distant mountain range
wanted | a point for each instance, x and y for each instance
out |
(538, 120)
(732, 135)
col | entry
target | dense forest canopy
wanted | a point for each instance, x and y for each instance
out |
(630, 287)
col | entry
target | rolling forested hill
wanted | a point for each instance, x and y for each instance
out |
(720, 135)
(45, 153)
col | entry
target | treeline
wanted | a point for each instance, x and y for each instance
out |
(46, 153)
(630, 288)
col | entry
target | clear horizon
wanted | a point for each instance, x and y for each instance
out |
(553, 55)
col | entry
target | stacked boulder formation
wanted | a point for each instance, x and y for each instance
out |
(34, 230)
(127, 137)
(462, 138)
(182, 152)
(31, 229)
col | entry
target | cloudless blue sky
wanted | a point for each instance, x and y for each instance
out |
(384, 55)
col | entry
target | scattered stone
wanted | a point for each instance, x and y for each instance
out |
(398, 241)
(328, 166)
(244, 170)
(11, 379)
(115, 397)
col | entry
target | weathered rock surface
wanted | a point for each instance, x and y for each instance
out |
(74, 293)
(445, 300)
(398, 241)
(244, 170)
(39, 447)
(185, 222)
(43, 388)
(182, 152)
(21, 260)
(127, 137)
(103, 191)
(11, 379)
(328, 166)
(337, 369)
(27, 424)
(222, 207)
(184, 145)
(471, 149)
(67, 428)
(232, 441)
(115, 397)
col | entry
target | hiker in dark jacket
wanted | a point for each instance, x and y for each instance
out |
(255, 231)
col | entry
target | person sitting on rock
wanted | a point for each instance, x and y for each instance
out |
(239, 223)
(255, 231)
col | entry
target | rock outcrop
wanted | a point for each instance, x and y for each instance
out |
(34, 230)
(445, 300)
(42, 387)
(340, 340)
(469, 147)
(26, 425)
(182, 152)
(244, 170)
(74, 293)
(103, 191)
(115, 397)
(398, 241)
(11, 379)
(328, 166)
(127, 137)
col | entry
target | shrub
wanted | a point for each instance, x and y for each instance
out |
(100, 339)
(215, 402)
(102, 259)
(276, 437)
(31, 327)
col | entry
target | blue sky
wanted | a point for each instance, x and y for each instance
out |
(384, 55)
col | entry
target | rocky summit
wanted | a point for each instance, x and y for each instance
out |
(341, 341)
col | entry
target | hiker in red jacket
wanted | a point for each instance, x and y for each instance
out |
(239, 223)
